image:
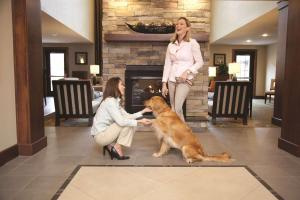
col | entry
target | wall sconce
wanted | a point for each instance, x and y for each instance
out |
(234, 68)
(94, 70)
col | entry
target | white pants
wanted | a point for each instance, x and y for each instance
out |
(178, 93)
(115, 133)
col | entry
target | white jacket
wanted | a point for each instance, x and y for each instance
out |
(182, 57)
(109, 112)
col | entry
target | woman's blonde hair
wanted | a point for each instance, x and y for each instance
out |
(187, 36)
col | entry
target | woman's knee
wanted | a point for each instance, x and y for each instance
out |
(128, 129)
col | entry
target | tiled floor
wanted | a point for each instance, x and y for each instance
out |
(40, 176)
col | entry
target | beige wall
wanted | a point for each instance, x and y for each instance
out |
(236, 14)
(78, 15)
(261, 62)
(8, 131)
(271, 64)
(72, 48)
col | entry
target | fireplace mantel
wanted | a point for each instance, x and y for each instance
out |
(141, 37)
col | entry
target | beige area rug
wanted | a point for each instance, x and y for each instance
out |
(165, 183)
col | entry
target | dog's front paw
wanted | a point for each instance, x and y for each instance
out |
(156, 155)
(189, 160)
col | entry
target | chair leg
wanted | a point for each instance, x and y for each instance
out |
(90, 121)
(57, 121)
(245, 122)
(266, 96)
(270, 97)
(214, 121)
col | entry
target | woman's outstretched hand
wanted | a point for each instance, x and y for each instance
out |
(145, 121)
(146, 110)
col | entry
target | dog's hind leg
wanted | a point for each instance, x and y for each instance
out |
(164, 148)
(191, 154)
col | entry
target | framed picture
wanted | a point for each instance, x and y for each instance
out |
(81, 58)
(219, 59)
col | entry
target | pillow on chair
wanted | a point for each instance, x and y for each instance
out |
(211, 87)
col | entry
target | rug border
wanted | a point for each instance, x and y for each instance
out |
(74, 172)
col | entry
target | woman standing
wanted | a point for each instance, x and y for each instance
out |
(183, 59)
(113, 127)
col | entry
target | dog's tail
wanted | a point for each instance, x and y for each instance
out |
(223, 157)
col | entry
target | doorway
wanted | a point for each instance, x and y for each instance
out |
(55, 66)
(247, 60)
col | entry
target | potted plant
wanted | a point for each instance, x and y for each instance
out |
(222, 73)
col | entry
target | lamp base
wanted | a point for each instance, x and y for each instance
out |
(94, 80)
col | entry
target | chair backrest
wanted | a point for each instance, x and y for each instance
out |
(72, 98)
(231, 98)
(272, 86)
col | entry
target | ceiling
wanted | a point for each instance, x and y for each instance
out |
(253, 31)
(55, 32)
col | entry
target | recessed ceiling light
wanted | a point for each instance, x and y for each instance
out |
(248, 41)
(265, 35)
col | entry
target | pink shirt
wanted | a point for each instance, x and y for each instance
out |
(181, 57)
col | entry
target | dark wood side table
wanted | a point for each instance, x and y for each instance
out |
(98, 88)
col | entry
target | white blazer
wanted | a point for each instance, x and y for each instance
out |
(182, 57)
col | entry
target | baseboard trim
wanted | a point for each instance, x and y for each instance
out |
(8, 154)
(30, 149)
(289, 146)
(276, 121)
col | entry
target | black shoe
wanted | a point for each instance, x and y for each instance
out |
(105, 148)
(115, 154)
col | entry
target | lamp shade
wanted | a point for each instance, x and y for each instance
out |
(94, 69)
(212, 71)
(234, 68)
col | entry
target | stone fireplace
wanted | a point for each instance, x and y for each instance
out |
(146, 51)
(142, 82)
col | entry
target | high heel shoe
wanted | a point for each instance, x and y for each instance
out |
(114, 154)
(105, 148)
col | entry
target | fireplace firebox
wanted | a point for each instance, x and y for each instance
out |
(142, 82)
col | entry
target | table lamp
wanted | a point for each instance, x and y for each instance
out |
(212, 71)
(94, 70)
(234, 68)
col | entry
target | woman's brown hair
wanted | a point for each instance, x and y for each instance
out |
(112, 88)
(187, 36)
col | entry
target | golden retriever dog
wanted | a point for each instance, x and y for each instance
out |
(171, 131)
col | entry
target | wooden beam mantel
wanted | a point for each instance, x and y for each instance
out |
(141, 37)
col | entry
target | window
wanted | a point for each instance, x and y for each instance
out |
(57, 67)
(244, 61)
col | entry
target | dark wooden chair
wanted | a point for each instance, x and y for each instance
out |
(230, 100)
(271, 92)
(73, 99)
